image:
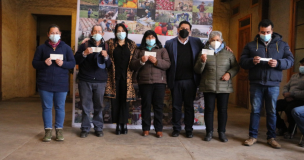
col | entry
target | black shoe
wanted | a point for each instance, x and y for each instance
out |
(175, 133)
(84, 134)
(118, 129)
(99, 133)
(124, 129)
(189, 134)
(208, 136)
(222, 137)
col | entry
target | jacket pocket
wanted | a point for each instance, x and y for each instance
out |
(275, 75)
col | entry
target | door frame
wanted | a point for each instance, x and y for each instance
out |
(292, 32)
(239, 52)
(1, 50)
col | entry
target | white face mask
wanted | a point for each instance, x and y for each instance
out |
(54, 37)
(215, 44)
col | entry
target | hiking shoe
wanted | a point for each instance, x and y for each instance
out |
(99, 133)
(48, 135)
(273, 143)
(84, 134)
(250, 141)
(59, 135)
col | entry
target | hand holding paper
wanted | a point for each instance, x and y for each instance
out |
(104, 53)
(204, 58)
(59, 62)
(152, 59)
(256, 60)
(48, 61)
(272, 63)
(144, 59)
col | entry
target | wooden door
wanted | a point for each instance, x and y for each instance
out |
(242, 77)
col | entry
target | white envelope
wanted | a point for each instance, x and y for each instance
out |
(96, 49)
(56, 56)
(150, 53)
(265, 59)
(208, 52)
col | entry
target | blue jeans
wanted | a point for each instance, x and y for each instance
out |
(298, 116)
(47, 99)
(91, 98)
(259, 94)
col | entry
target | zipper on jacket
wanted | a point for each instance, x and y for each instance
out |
(215, 56)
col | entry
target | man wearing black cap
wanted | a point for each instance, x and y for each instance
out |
(293, 93)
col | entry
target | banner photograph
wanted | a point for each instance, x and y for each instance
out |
(138, 16)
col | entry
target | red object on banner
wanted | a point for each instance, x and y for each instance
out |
(158, 30)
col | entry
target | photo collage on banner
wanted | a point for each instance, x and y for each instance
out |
(161, 16)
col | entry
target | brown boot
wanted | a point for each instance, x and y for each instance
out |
(145, 133)
(159, 134)
(250, 141)
(273, 143)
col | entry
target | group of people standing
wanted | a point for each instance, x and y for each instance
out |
(182, 66)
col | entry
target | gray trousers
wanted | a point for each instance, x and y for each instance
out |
(91, 99)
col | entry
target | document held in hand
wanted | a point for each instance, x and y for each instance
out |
(265, 59)
(56, 56)
(208, 52)
(150, 54)
(96, 49)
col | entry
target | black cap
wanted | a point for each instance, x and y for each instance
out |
(302, 60)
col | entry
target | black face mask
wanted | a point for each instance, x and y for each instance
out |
(183, 33)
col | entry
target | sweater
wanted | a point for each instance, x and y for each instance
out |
(53, 78)
(184, 64)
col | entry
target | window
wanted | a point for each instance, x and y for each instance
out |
(236, 10)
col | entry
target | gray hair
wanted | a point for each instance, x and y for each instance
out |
(97, 25)
(215, 33)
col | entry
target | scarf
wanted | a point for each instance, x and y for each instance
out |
(150, 47)
(54, 45)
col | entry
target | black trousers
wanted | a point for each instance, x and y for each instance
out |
(283, 105)
(222, 103)
(183, 92)
(152, 94)
(120, 106)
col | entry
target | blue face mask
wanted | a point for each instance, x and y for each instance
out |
(301, 69)
(150, 42)
(121, 35)
(54, 37)
(97, 37)
(266, 37)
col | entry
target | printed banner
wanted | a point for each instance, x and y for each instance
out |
(162, 16)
